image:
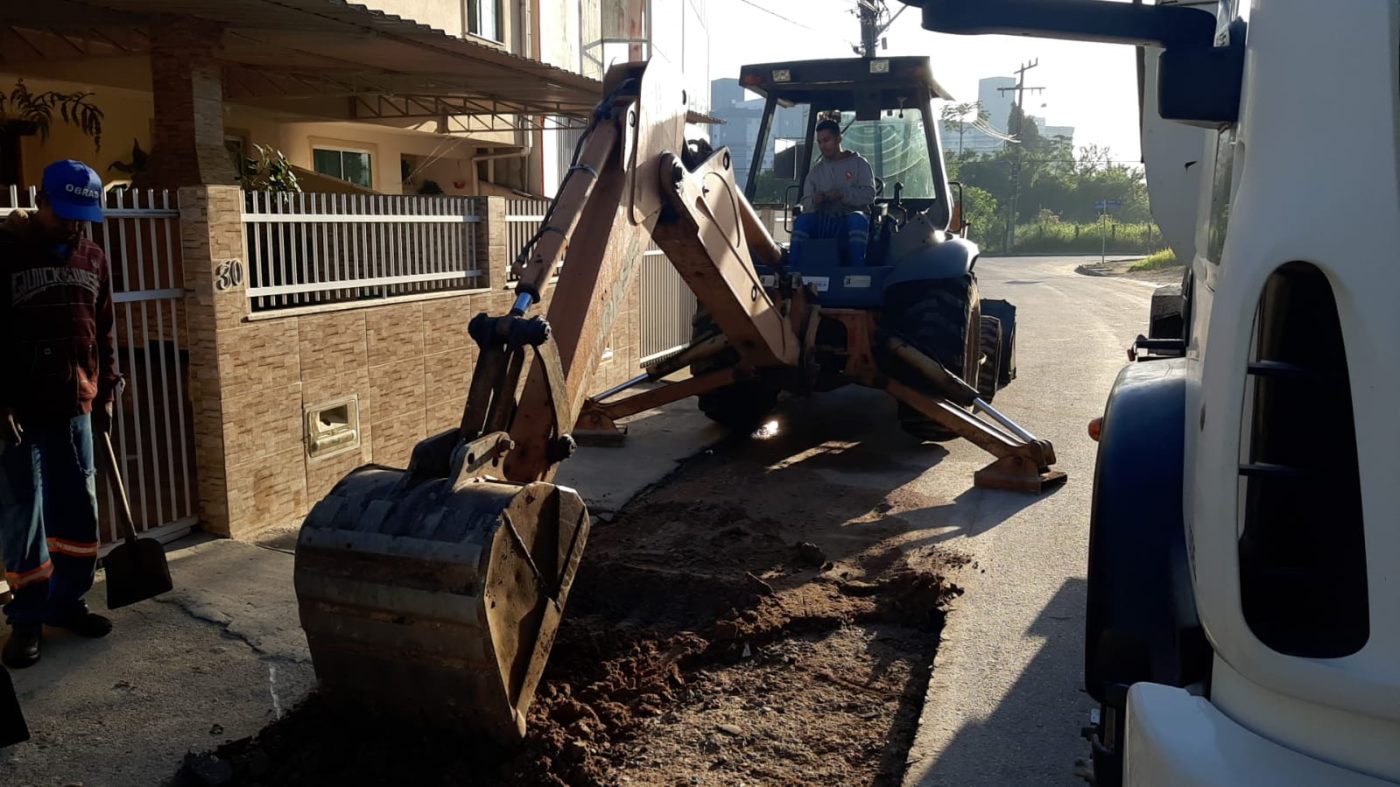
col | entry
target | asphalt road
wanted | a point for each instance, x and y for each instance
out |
(1004, 704)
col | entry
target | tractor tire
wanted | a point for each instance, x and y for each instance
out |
(941, 319)
(740, 407)
(989, 370)
(921, 427)
(1006, 312)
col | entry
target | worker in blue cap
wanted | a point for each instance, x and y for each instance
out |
(58, 380)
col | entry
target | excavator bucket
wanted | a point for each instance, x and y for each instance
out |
(433, 594)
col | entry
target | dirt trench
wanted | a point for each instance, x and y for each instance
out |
(704, 644)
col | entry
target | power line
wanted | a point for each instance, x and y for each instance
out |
(771, 12)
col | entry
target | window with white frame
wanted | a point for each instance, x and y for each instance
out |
(348, 164)
(484, 18)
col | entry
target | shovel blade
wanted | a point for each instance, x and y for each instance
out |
(12, 727)
(136, 570)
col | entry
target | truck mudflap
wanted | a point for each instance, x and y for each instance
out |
(435, 596)
(1177, 739)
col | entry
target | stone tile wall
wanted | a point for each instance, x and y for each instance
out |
(407, 363)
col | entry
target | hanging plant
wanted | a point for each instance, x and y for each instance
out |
(21, 106)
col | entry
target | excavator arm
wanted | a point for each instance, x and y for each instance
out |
(629, 183)
(435, 592)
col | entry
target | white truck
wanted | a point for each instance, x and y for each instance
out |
(1243, 624)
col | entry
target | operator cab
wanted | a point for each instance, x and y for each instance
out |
(884, 109)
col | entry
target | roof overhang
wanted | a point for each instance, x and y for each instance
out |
(324, 58)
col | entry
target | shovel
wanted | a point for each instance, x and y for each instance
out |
(136, 568)
(12, 727)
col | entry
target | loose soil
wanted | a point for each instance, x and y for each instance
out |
(784, 640)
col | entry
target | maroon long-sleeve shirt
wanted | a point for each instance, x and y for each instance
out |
(58, 348)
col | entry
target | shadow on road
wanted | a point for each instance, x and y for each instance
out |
(986, 750)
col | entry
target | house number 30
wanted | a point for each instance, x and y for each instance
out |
(228, 275)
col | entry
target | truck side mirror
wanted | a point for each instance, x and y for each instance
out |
(957, 224)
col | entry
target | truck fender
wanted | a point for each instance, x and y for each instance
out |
(1141, 622)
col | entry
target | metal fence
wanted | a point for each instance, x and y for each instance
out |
(523, 218)
(153, 432)
(667, 304)
(310, 249)
(667, 307)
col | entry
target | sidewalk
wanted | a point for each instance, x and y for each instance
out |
(224, 654)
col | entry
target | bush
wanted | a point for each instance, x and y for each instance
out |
(1064, 238)
(1162, 259)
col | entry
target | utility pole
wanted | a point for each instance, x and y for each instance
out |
(875, 19)
(869, 13)
(1020, 102)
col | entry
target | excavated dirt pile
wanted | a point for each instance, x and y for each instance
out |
(703, 644)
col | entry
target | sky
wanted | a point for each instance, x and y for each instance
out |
(1092, 87)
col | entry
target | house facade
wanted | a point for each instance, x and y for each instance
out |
(273, 340)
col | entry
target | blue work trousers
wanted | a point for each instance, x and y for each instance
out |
(821, 225)
(48, 519)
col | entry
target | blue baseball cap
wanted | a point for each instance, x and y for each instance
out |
(74, 191)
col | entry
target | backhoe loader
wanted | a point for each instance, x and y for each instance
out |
(434, 592)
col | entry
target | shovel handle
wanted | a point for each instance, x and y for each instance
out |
(107, 457)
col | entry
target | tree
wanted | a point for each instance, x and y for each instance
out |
(1054, 179)
(979, 210)
(955, 116)
(1024, 129)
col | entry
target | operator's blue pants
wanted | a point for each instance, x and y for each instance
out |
(820, 225)
(48, 519)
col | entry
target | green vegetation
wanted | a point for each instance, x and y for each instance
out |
(1062, 238)
(1056, 190)
(1162, 259)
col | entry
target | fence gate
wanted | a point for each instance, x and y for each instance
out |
(153, 431)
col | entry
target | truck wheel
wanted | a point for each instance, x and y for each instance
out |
(939, 318)
(989, 369)
(740, 407)
(1107, 747)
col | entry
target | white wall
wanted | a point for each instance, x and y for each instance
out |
(444, 15)
(570, 31)
(559, 33)
(386, 146)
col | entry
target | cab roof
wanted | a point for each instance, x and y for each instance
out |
(838, 81)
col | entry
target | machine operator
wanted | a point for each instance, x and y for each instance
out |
(837, 191)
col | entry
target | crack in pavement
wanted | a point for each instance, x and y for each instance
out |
(225, 623)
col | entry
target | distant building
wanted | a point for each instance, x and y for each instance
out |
(997, 100)
(741, 112)
(1049, 131)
